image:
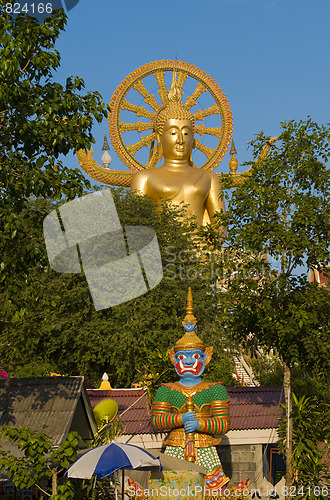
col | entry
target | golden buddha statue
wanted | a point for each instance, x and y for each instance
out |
(173, 124)
(177, 180)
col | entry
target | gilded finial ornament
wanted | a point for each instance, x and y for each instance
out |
(233, 163)
(105, 146)
(174, 93)
(190, 339)
(233, 150)
(106, 158)
(189, 318)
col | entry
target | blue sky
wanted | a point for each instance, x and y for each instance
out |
(270, 57)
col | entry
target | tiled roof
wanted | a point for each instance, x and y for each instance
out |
(250, 407)
(137, 419)
(255, 407)
(38, 401)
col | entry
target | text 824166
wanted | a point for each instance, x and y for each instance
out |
(29, 8)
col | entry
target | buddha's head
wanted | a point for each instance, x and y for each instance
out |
(174, 127)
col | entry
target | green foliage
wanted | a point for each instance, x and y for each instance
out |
(221, 369)
(61, 332)
(282, 210)
(294, 320)
(313, 383)
(108, 432)
(282, 207)
(95, 489)
(38, 460)
(311, 433)
(268, 371)
(39, 120)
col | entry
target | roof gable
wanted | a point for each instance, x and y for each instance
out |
(46, 401)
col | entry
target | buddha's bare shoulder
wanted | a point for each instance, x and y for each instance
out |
(213, 176)
(140, 179)
(207, 174)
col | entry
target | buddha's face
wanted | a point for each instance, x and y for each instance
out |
(177, 139)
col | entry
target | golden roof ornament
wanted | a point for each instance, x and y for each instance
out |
(105, 384)
(233, 163)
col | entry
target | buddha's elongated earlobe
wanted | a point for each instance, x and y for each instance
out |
(159, 147)
(190, 160)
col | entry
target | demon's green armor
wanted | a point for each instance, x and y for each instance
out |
(211, 407)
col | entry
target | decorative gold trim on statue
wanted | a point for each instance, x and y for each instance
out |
(189, 391)
(190, 453)
(203, 412)
(101, 174)
(177, 437)
(163, 405)
(189, 341)
(209, 352)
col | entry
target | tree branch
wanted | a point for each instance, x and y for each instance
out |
(43, 491)
(22, 70)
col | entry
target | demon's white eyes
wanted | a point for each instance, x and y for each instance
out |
(196, 356)
(181, 357)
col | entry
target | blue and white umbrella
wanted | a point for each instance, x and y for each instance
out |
(108, 458)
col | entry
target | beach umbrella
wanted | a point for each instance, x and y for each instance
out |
(108, 458)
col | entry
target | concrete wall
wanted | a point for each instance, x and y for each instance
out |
(241, 461)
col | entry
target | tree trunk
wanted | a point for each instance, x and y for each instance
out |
(54, 482)
(289, 434)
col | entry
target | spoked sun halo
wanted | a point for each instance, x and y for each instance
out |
(144, 91)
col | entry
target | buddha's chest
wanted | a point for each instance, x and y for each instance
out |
(179, 186)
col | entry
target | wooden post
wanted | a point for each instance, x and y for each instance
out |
(289, 435)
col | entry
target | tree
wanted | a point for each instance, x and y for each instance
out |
(61, 332)
(39, 121)
(311, 453)
(39, 462)
(281, 210)
(48, 320)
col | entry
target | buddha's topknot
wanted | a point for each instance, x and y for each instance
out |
(174, 109)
